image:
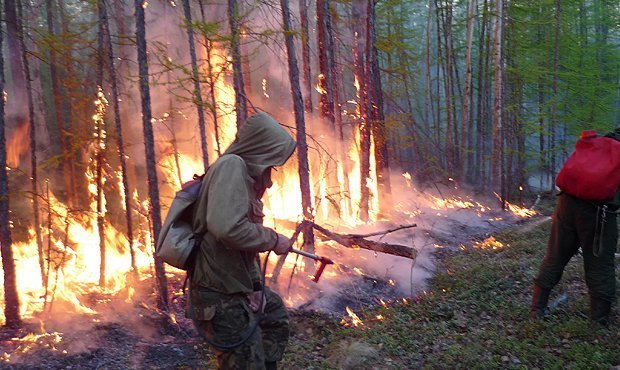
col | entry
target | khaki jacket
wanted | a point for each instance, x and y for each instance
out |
(229, 208)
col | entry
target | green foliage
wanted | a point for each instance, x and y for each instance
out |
(476, 316)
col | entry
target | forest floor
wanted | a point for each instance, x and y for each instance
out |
(473, 314)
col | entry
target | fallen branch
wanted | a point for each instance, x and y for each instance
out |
(355, 241)
(348, 240)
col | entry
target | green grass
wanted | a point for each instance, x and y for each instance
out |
(474, 316)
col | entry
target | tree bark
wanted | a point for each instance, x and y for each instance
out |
(119, 137)
(554, 103)
(11, 298)
(298, 108)
(360, 13)
(211, 82)
(240, 99)
(33, 146)
(196, 77)
(17, 94)
(305, 55)
(497, 95)
(465, 115)
(100, 146)
(326, 100)
(62, 134)
(378, 115)
(149, 146)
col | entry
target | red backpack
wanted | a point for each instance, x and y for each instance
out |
(592, 172)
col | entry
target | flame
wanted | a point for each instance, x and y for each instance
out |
(352, 319)
(320, 84)
(489, 243)
(17, 144)
(265, 88)
(518, 211)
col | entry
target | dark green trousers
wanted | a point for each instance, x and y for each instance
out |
(225, 319)
(574, 222)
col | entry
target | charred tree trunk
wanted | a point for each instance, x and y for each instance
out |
(305, 54)
(11, 298)
(240, 98)
(300, 124)
(377, 114)
(149, 146)
(33, 147)
(119, 135)
(196, 77)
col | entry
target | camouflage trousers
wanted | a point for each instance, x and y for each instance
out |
(574, 225)
(228, 319)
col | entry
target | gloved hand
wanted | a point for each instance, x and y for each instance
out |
(283, 245)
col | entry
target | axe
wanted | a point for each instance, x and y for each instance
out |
(324, 261)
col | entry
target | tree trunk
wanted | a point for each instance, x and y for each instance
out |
(497, 105)
(62, 134)
(305, 55)
(149, 146)
(465, 115)
(238, 84)
(326, 100)
(119, 137)
(11, 298)
(196, 77)
(359, 13)
(211, 82)
(17, 93)
(99, 143)
(300, 124)
(378, 115)
(33, 146)
(554, 103)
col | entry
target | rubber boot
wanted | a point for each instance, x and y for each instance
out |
(271, 365)
(599, 310)
(540, 298)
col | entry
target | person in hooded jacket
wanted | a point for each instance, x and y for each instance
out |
(244, 322)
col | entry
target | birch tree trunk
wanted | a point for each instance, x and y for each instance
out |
(196, 77)
(300, 124)
(240, 102)
(149, 146)
(11, 298)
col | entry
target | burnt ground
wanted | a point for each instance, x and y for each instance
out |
(136, 335)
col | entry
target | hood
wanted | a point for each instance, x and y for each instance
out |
(262, 143)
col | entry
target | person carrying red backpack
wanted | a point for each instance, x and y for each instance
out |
(585, 216)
